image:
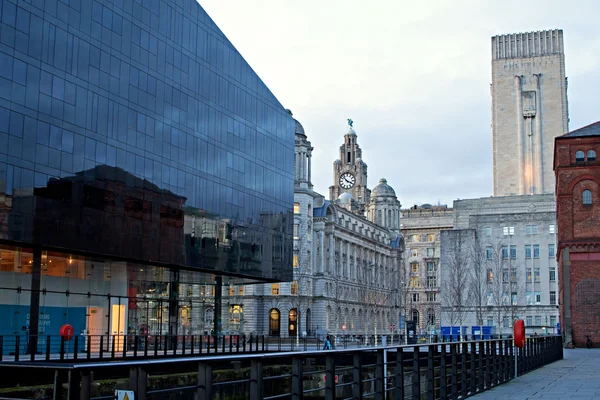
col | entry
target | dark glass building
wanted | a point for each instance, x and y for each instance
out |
(141, 161)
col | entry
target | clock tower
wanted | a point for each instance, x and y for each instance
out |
(350, 172)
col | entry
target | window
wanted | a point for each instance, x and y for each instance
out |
(527, 251)
(513, 274)
(591, 155)
(529, 321)
(513, 298)
(586, 198)
(531, 229)
(294, 288)
(504, 252)
(488, 231)
(296, 208)
(431, 237)
(414, 282)
(511, 230)
(536, 274)
(529, 298)
(490, 276)
(505, 322)
(579, 156)
(296, 261)
(529, 276)
(415, 297)
(430, 252)
(431, 296)
(488, 253)
(505, 275)
(505, 231)
(490, 299)
(551, 228)
(296, 231)
(536, 251)
(552, 274)
(505, 298)
(513, 252)
(551, 251)
(552, 297)
(231, 290)
(414, 268)
(241, 290)
(432, 281)
(538, 320)
(431, 268)
(490, 321)
(415, 252)
(275, 286)
(553, 321)
(414, 238)
(538, 297)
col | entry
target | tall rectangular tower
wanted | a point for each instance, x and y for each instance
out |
(529, 109)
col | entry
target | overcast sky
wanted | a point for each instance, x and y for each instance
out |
(414, 76)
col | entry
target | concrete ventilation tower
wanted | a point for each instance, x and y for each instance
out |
(529, 109)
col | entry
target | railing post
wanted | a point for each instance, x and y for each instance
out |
(454, 377)
(204, 390)
(17, 347)
(125, 343)
(47, 348)
(473, 385)
(416, 375)
(493, 367)
(481, 379)
(256, 380)
(399, 392)
(89, 347)
(488, 367)
(379, 372)
(443, 373)
(75, 347)
(138, 380)
(74, 385)
(329, 377)
(297, 379)
(62, 348)
(101, 351)
(463, 368)
(430, 381)
(86, 385)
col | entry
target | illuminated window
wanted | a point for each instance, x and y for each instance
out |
(296, 208)
(490, 276)
(296, 260)
(415, 252)
(275, 288)
(294, 288)
(296, 231)
(231, 290)
(241, 290)
(414, 268)
(414, 282)
(431, 237)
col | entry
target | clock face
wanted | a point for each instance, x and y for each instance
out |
(347, 180)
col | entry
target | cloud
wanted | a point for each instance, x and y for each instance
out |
(414, 76)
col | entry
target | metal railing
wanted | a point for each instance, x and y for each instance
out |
(432, 371)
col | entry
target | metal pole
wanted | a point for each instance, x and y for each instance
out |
(516, 353)
(385, 372)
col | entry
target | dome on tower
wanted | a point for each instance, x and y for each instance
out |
(338, 161)
(383, 190)
(299, 128)
(350, 131)
(345, 198)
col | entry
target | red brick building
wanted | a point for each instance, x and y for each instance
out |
(577, 170)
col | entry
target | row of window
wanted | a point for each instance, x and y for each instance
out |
(531, 298)
(529, 230)
(430, 252)
(580, 156)
(431, 268)
(511, 276)
(415, 282)
(506, 323)
(531, 251)
(425, 237)
(431, 297)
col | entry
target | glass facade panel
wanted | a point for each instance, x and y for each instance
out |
(151, 160)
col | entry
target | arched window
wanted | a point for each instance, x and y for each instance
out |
(591, 156)
(292, 322)
(579, 156)
(296, 208)
(586, 198)
(431, 319)
(274, 322)
(307, 328)
(415, 317)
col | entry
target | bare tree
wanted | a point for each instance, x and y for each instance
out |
(301, 291)
(478, 286)
(455, 287)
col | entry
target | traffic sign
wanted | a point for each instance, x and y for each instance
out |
(124, 395)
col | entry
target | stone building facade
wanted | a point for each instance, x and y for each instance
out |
(577, 170)
(529, 109)
(346, 266)
(421, 269)
(516, 247)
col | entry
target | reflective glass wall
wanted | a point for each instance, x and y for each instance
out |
(140, 156)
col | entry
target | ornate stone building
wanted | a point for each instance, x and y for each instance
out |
(346, 266)
(529, 109)
(577, 170)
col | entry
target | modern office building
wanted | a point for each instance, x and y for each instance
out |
(577, 170)
(141, 161)
(529, 109)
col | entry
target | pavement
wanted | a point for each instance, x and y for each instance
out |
(577, 376)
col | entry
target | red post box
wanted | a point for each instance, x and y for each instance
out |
(519, 333)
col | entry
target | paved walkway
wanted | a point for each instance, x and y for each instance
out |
(575, 377)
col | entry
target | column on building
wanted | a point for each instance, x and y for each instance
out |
(331, 264)
(322, 253)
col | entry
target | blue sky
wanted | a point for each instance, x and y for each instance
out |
(414, 76)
